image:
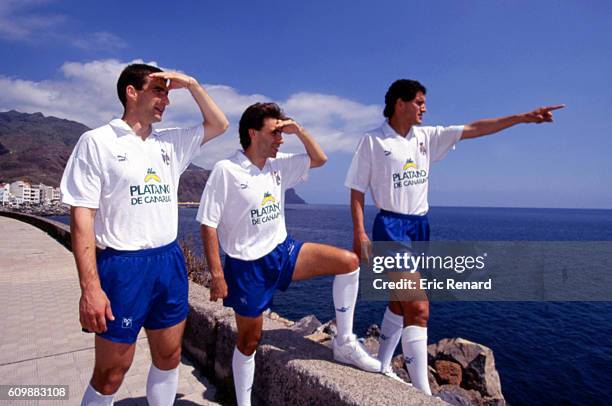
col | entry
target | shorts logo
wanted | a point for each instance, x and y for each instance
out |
(244, 185)
(387, 152)
(243, 300)
(343, 309)
(126, 322)
(409, 360)
(151, 175)
(409, 164)
(165, 157)
(384, 337)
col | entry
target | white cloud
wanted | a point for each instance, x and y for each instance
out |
(20, 22)
(86, 92)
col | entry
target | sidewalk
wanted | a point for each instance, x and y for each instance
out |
(40, 336)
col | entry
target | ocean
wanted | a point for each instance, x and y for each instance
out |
(546, 352)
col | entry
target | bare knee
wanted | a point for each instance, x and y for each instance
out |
(108, 380)
(350, 261)
(247, 343)
(416, 313)
(168, 358)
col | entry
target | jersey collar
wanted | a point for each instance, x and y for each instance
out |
(388, 131)
(122, 128)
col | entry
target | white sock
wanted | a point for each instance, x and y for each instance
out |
(345, 291)
(161, 386)
(390, 334)
(92, 397)
(243, 368)
(414, 346)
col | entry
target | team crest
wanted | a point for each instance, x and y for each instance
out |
(276, 177)
(165, 157)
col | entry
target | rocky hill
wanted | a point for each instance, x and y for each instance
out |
(36, 148)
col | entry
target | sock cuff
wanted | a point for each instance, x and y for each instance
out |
(243, 359)
(414, 333)
(89, 387)
(163, 373)
(393, 318)
(354, 275)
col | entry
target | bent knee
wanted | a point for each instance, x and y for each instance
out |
(350, 261)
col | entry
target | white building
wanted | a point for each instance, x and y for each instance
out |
(48, 194)
(24, 193)
(5, 193)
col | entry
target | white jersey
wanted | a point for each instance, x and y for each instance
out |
(133, 183)
(396, 168)
(247, 205)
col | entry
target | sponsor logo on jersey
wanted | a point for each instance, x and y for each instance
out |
(387, 152)
(409, 175)
(151, 175)
(269, 210)
(150, 192)
(409, 164)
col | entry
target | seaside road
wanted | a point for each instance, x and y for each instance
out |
(41, 342)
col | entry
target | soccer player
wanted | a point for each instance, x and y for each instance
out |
(242, 209)
(393, 161)
(121, 182)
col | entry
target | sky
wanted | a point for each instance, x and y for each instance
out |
(329, 64)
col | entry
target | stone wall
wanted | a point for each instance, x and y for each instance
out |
(290, 369)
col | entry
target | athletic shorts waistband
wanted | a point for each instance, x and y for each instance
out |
(412, 217)
(140, 253)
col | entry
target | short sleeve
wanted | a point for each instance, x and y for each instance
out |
(442, 140)
(186, 141)
(359, 173)
(293, 168)
(81, 183)
(213, 198)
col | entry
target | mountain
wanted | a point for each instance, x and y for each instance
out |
(36, 148)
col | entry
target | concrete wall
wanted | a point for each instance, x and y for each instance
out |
(57, 230)
(290, 369)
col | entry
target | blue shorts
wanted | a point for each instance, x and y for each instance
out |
(389, 226)
(402, 232)
(251, 284)
(146, 288)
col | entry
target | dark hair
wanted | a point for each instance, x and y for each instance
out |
(135, 75)
(254, 116)
(404, 89)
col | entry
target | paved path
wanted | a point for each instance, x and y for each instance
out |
(40, 336)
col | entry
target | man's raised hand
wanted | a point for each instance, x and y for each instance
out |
(542, 114)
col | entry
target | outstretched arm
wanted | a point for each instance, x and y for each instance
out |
(215, 122)
(218, 286)
(313, 149)
(490, 126)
